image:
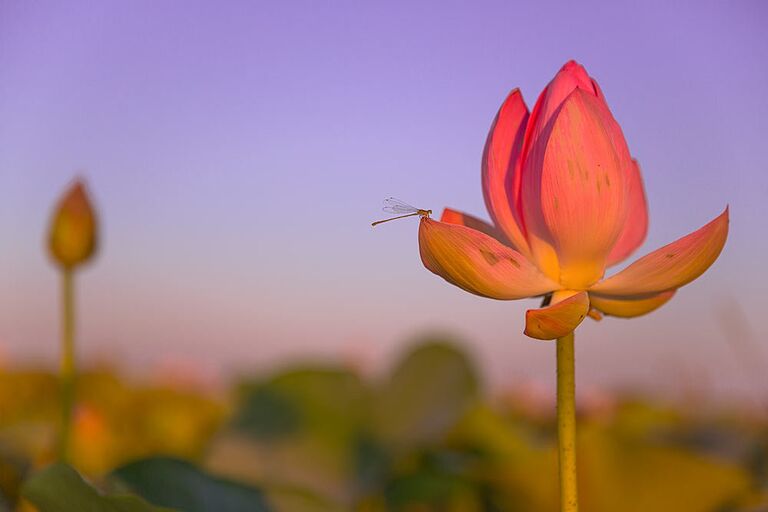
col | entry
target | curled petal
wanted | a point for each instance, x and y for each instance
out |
(557, 320)
(628, 308)
(501, 168)
(672, 266)
(451, 216)
(636, 224)
(594, 314)
(478, 263)
(574, 189)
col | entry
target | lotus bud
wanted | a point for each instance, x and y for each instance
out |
(72, 238)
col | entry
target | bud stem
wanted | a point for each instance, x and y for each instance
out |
(67, 364)
(566, 423)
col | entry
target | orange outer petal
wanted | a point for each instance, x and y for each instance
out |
(557, 320)
(501, 168)
(636, 226)
(451, 216)
(628, 308)
(672, 266)
(478, 263)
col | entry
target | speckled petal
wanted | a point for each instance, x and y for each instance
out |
(574, 190)
(672, 266)
(479, 263)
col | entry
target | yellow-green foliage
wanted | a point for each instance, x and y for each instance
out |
(422, 438)
(114, 421)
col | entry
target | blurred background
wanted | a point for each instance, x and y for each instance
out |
(242, 314)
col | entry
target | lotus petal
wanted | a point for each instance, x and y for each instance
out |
(557, 320)
(570, 77)
(636, 224)
(451, 216)
(672, 266)
(574, 191)
(501, 168)
(629, 308)
(479, 263)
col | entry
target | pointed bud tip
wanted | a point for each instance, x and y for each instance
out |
(574, 68)
(575, 75)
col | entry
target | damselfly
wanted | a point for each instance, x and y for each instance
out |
(401, 209)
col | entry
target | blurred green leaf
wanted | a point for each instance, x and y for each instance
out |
(14, 468)
(179, 484)
(328, 401)
(59, 488)
(266, 414)
(372, 466)
(426, 490)
(303, 423)
(427, 393)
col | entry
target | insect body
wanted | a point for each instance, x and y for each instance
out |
(401, 209)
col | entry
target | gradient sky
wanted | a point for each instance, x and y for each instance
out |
(238, 152)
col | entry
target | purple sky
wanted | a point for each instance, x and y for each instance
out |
(238, 151)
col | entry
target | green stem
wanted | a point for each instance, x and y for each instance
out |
(566, 423)
(67, 366)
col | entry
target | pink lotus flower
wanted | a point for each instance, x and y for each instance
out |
(567, 201)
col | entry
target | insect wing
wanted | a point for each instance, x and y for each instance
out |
(398, 207)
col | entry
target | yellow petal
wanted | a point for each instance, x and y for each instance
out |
(628, 308)
(672, 266)
(478, 263)
(72, 236)
(557, 320)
